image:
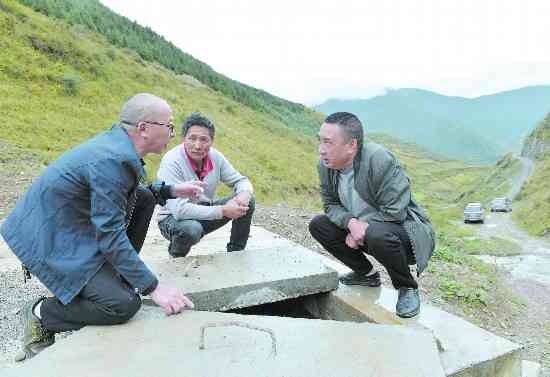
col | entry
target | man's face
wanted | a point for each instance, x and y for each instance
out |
(159, 131)
(197, 143)
(334, 151)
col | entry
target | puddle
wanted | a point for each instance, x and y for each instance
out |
(528, 267)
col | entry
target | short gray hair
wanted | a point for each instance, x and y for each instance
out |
(142, 107)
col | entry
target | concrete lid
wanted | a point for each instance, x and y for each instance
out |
(153, 345)
(221, 282)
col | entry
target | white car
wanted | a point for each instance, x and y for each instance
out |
(501, 205)
(474, 213)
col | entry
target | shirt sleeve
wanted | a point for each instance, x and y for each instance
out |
(110, 183)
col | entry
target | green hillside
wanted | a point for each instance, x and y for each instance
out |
(480, 130)
(532, 210)
(61, 84)
(151, 47)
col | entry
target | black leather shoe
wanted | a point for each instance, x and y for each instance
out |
(353, 278)
(408, 302)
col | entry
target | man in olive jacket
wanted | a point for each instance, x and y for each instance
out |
(369, 209)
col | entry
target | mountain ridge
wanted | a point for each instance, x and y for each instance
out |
(480, 129)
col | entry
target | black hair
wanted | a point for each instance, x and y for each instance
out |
(350, 125)
(197, 119)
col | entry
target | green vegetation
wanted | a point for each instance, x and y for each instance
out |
(494, 183)
(495, 246)
(532, 210)
(62, 84)
(151, 47)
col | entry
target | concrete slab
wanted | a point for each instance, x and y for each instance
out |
(530, 369)
(222, 282)
(155, 346)
(466, 350)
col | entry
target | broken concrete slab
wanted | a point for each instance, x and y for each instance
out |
(151, 345)
(467, 350)
(222, 282)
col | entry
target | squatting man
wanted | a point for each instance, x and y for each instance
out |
(369, 210)
(184, 221)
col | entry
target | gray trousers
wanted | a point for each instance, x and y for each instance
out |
(183, 234)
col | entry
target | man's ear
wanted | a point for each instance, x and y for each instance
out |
(354, 144)
(141, 128)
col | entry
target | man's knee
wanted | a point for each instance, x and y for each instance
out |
(189, 230)
(121, 311)
(317, 225)
(186, 234)
(378, 238)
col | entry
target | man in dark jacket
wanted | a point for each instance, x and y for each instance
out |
(369, 209)
(82, 223)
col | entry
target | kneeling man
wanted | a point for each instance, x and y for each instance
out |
(370, 210)
(184, 222)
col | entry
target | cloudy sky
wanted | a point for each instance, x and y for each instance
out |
(309, 51)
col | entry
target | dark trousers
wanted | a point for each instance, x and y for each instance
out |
(183, 234)
(387, 242)
(106, 299)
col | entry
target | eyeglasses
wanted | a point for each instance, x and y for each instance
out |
(170, 126)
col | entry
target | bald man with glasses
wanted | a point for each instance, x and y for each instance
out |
(81, 225)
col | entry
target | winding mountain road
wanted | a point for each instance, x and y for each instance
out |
(534, 261)
(529, 278)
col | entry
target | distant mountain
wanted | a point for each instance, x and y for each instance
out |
(481, 129)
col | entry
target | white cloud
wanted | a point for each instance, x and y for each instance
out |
(308, 51)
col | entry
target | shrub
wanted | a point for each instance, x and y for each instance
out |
(71, 83)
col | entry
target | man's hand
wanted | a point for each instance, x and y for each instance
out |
(357, 230)
(234, 210)
(243, 198)
(192, 189)
(351, 242)
(172, 300)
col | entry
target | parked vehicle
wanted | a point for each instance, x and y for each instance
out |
(501, 205)
(474, 213)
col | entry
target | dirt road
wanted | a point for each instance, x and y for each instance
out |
(529, 277)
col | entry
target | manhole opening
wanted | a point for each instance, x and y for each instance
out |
(292, 308)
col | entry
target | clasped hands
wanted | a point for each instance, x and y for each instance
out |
(238, 206)
(356, 235)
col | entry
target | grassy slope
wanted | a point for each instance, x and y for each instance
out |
(532, 211)
(44, 121)
(122, 32)
(43, 118)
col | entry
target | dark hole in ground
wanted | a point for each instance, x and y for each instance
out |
(293, 308)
